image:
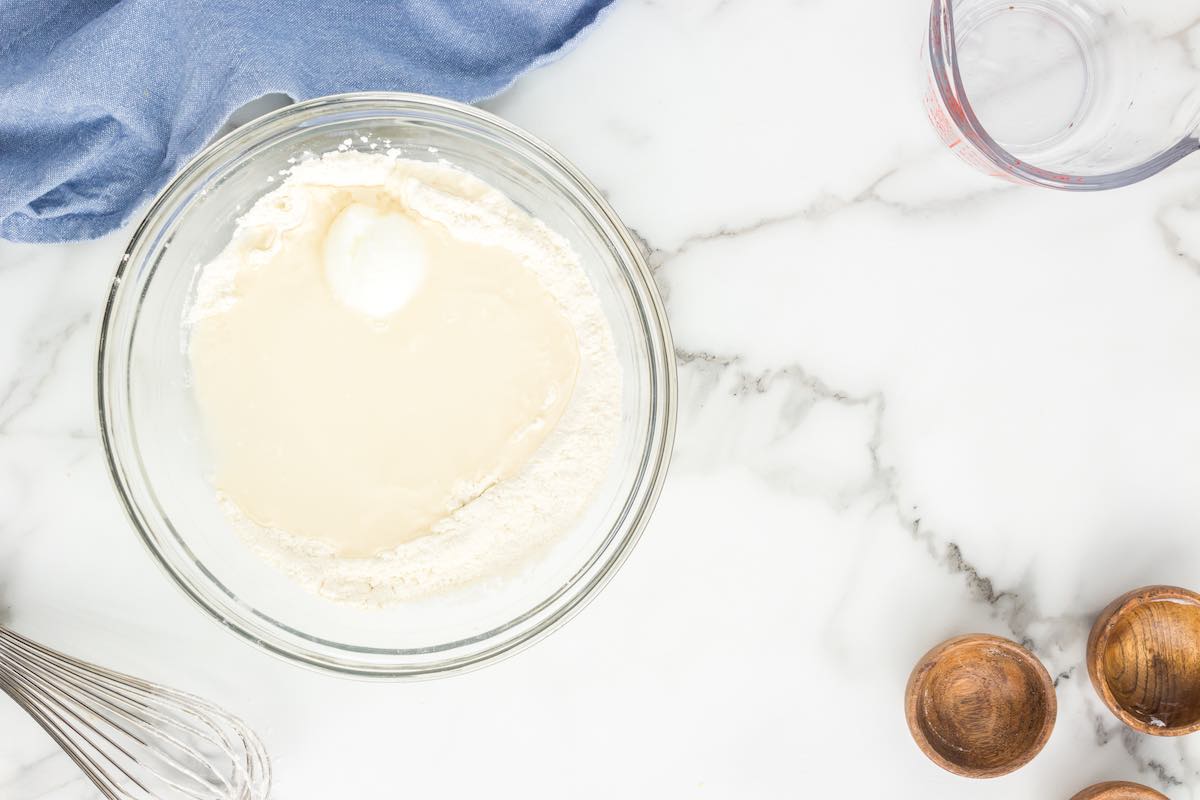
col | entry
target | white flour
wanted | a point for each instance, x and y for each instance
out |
(513, 519)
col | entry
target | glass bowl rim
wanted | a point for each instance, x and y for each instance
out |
(562, 605)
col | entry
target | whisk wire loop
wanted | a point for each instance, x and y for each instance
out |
(134, 739)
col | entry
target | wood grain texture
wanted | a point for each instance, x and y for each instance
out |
(980, 706)
(1119, 790)
(1144, 660)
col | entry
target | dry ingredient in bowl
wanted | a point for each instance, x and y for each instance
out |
(406, 382)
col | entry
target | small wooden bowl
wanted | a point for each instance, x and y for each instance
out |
(980, 706)
(1119, 790)
(1144, 660)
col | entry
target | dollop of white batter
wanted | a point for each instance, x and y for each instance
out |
(384, 227)
(375, 260)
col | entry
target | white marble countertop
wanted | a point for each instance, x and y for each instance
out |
(916, 402)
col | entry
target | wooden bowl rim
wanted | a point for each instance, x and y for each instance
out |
(1119, 790)
(1034, 667)
(1098, 642)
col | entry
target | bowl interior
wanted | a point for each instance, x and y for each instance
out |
(1119, 790)
(1151, 662)
(153, 431)
(983, 707)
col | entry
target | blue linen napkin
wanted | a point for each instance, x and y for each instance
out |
(102, 101)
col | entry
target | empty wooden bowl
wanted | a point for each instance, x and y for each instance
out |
(980, 706)
(1144, 660)
(1119, 790)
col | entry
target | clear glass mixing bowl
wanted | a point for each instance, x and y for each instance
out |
(157, 456)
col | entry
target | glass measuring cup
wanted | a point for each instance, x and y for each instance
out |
(1069, 94)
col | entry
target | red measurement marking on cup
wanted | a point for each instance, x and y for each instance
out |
(942, 114)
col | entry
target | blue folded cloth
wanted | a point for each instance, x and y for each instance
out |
(102, 101)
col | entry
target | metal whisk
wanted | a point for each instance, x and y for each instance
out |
(135, 740)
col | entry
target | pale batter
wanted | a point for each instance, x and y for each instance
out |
(383, 342)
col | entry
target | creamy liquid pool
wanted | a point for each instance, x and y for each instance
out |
(361, 427)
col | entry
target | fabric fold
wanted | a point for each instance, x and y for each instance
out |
(101, 102)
